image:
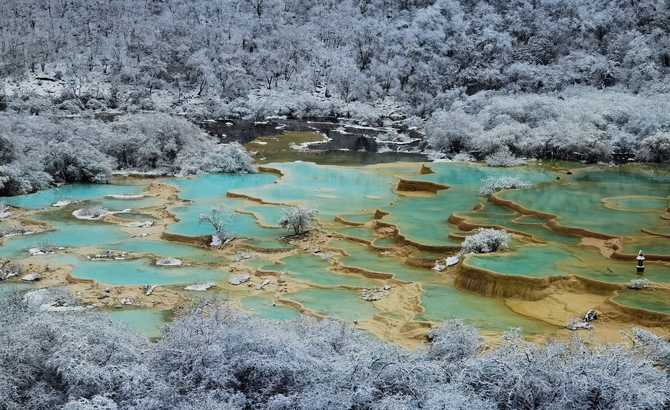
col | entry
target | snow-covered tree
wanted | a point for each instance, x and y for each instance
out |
(219, 218)
(503, 158)
(298, 218)
(495, 184)
(486, 241)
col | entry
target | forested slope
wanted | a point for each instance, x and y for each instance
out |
(582, 80)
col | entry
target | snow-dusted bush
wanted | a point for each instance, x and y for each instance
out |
(463, 157)
(495, 184)
(22, 177)
(454, 341)
(77, 161)
(10, 270)
(45, 246)
(231, 158)
(486, 241)
(656, 148)
(451, 131)
(12, 231)
(298, 218)
(169, 261)
(503, 158)
(638, 284)
(91, 212)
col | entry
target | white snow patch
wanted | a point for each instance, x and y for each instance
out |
(37, 251)
(216, 241)
(452, 260)
(17, 234)
(103, 212)
(130, 196)
(265, 282)
(200, 286)
(145, 224)
(239, 280)
(64, 308)
(169, 262)
(64, 203)
(32, 277)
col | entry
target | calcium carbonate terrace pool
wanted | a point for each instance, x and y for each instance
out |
(615, 201)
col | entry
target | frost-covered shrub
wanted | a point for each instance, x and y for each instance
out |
(454, 341)
(231, 158)
(638, 284)
(486, 241)
(463, 157)
(10, 269)
(95, 403)
(12, 231)
(656, 148)
(77, 161)
(298, 218)
(45, 246)
(451, 131)
(503, 158)
(22, 177)
(92, 212)
(229, 360)
(493, 184)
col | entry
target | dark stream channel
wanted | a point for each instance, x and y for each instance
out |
(342, 137)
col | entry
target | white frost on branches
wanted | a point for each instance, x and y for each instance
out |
(493, 184)
(298, 218)
(503, 158)
(486, 241)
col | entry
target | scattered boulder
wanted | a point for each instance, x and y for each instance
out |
(32, 277)
(200, 286)
(239, 280)
(590, 316)
(244, 255)
(265, 283)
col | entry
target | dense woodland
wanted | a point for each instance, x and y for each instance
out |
(36, 152)
(584, 80)
(215, 357)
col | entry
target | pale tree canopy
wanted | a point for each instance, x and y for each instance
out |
(298, 218)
